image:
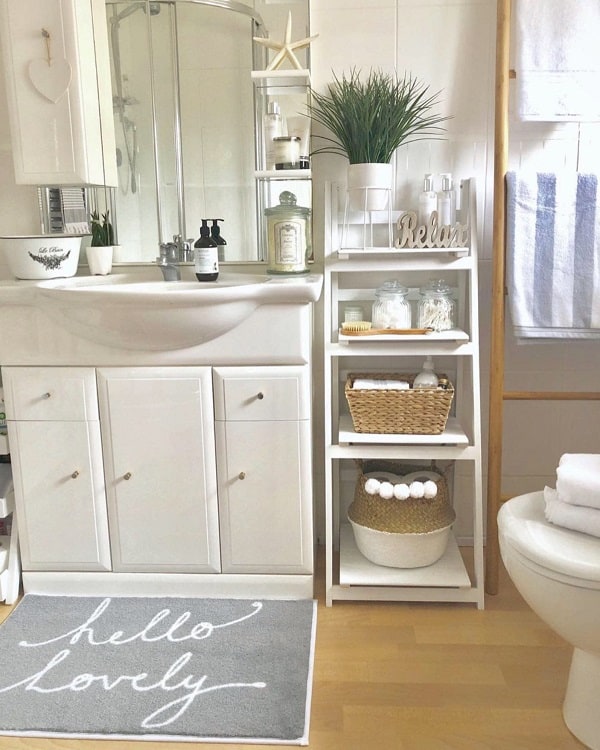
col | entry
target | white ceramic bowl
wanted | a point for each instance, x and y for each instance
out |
(395, 550)
(41, 256)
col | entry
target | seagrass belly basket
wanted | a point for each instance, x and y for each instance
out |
(401, 533)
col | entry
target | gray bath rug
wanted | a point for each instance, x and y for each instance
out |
(214, 670)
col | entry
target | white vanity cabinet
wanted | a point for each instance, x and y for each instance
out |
(181, 480)
(56, 455)
(262, 426)
(57, 70)
(159, 463)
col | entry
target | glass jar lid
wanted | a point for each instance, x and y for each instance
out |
(391, 288)
(436, 288)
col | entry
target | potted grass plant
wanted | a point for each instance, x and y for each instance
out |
(101, 249)
(369, 118)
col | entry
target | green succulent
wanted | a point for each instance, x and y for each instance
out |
(102, 230)
(371, 118)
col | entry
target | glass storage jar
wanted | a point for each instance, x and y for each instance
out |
(437, 308)
(391, 309)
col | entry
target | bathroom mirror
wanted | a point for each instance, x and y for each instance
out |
(184, 116)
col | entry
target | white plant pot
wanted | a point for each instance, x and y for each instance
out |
(369, 186)
(100, 260)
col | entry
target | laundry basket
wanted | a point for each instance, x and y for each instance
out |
(395, 533)
(414, 411)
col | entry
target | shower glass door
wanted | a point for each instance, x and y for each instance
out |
(184, 123)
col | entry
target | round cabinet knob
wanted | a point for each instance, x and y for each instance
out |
(127, 475)
(75, 474)
(47, 395)
(260, 395)
(242, 475)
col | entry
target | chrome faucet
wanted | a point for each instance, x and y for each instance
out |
(172, 255)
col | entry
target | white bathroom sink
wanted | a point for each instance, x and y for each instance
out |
(131, 311)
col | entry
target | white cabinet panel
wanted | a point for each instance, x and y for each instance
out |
(57, 72)
(159, 453)
(259, 393)
(46, 393)
(59, 494)
(265, 496)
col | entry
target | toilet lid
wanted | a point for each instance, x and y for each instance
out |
(522, 524)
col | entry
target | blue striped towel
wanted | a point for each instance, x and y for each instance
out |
(553, 254)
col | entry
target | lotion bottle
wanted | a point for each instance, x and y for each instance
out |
(427, 201)
(446, 202)
(206, 255)
(272, 128)
(215, 233)
(427, 377)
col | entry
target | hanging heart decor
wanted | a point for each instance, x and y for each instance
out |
(51, 78)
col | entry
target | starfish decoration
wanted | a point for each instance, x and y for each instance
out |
(285, 48)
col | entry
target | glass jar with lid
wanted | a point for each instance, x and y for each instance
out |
(437, 308)
(391, 308)
(288, 236)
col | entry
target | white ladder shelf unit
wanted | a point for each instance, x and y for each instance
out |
(351, 275)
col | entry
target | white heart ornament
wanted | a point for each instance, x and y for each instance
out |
(50, 79)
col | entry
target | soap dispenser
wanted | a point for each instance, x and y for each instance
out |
(427, 201)
(215, 233)
(427, 377)
(206, 255)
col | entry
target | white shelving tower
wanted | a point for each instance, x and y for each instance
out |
(351, 275)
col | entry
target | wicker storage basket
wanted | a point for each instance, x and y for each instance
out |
(400, 533)
(420, 411)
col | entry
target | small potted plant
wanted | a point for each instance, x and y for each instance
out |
(100, 251)
(369, 119)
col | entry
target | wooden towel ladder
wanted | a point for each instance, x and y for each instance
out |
(497, 394)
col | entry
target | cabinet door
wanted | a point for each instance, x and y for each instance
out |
(265, 496)
(61, 116)
(59, 495)
(158, 441)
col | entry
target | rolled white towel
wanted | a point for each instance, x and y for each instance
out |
(578, 479)
(577, 518)
(396, 385)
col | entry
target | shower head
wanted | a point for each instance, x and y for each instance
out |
(154, 11)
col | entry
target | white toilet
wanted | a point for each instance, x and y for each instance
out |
(557, 571)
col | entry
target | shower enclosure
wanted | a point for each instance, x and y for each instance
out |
(184, 122)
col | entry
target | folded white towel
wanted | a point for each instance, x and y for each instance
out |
(557, 59)
(380, 385)
(577, 518)
(578, 479)
(552, 243)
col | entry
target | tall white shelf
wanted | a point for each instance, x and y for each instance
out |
(351, 275)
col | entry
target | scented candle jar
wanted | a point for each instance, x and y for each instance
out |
(288, 236)
(437, 308)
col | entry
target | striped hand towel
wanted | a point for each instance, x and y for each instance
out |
(553, 254)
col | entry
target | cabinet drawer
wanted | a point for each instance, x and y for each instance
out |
(67, 394)
(261, 393)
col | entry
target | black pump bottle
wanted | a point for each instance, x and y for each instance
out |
(215, 233)
(206, 257)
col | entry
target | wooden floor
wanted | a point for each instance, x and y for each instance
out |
(419, 677)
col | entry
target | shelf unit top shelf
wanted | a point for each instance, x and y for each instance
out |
(271, 78)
